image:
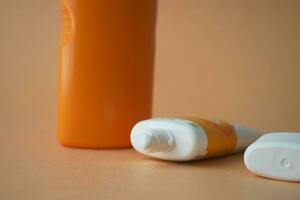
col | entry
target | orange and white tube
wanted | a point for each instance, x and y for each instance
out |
(179, 139)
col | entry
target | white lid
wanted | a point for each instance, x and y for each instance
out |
(275, 155)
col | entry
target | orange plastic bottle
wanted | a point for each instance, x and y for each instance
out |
(106, 70)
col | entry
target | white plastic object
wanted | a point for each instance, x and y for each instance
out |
(275, 156)
(184, 139)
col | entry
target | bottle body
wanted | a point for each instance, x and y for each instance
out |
(189, 139)
(106, 71)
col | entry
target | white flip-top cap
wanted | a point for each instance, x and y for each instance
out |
(276, 156)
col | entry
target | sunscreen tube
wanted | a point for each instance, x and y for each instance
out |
(190, 138)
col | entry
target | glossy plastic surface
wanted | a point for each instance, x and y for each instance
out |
(106, 70)
(192, 138)
(276, 156)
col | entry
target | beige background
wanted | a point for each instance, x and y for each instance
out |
(236, 60)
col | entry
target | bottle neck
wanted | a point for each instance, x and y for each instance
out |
(156, 140)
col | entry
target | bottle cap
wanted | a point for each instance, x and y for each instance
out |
(151, 140)
(276, 156)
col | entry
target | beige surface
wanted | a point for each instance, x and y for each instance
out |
(36, 167)
(234, 60)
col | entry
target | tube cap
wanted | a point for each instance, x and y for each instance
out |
(151, 139)
(276, 156)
